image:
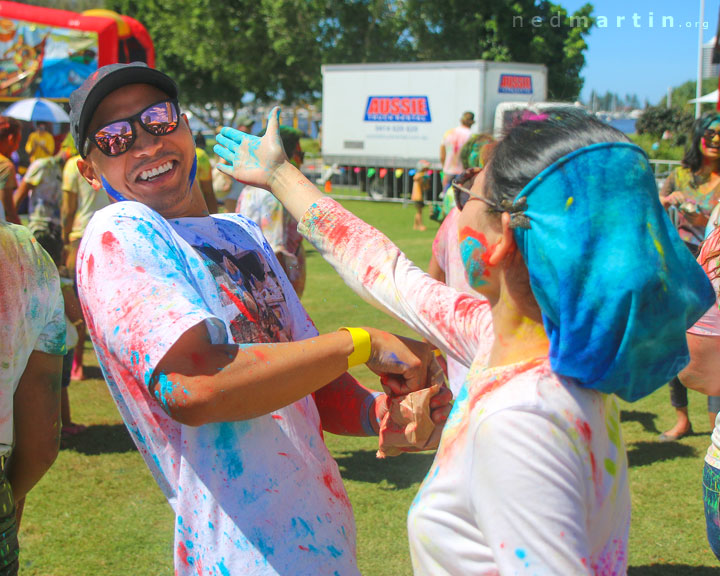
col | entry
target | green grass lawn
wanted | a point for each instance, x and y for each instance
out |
(99, 512)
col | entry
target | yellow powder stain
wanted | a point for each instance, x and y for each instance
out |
(660, 251)
(569, 202)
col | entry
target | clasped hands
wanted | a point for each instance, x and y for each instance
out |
(417, 402)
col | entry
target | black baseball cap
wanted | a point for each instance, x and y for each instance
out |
(85, 100)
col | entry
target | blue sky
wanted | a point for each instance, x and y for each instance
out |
(638, 54)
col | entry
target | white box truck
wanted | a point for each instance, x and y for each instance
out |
(393, 115)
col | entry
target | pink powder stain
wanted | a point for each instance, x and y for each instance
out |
(109, 241)
(182, 554)
(370, 276)
(140, 269)
(339, 493)
(260, 356)
(240, 306)
(584, 430)
(468, 232)
(277, 417)
(91, 266)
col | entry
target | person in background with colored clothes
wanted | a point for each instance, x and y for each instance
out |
(690, 194)
(703, 375)
(10, 133)
(32, 344)
(517, 485)
(446, 264)
(51, 241)
(40, 143)
(452, 143)
(220, 375)
(42, 183)
(421, 185)
(203, 177)
(278, 227)
(79, 204)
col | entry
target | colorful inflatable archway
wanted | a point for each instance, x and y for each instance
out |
(48, 53)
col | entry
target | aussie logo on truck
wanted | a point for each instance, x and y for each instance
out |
(397, 109)
(515, 84)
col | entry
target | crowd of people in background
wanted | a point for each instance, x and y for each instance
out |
(186, 274)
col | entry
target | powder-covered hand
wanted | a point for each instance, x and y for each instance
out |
(404, 364)
(252, 160)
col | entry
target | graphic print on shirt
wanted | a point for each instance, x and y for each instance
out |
(251, 294)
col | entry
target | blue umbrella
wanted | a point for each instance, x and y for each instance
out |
(37, 110)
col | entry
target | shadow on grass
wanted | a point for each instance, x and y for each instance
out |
(645, 419)
(644, 453)
(671, 570)
(100, 439)
(400, 472)
(93, 373)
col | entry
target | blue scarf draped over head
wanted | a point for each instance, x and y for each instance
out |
(120, 198)
(616, 285)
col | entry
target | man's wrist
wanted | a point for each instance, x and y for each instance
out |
(362, 346)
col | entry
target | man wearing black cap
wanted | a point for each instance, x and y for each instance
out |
(208, 352)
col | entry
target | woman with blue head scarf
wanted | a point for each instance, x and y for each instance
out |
(589, 292)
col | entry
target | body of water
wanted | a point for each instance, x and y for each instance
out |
(626, 125)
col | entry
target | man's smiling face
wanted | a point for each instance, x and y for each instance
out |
(155, 170)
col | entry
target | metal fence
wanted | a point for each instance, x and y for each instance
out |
(391, 184)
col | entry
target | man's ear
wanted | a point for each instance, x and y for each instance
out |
(505, 247)
(88, 172)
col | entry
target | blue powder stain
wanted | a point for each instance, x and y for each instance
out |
(228, 451)
(223, 569)
(191, 560)
(117, 329)
(165, 394)
(189, 544)
(334, 552)
(520, 553)
(302, 528)
(134, 358)
(474, 266)
(180, 520)
(264, 547)
(210, 525)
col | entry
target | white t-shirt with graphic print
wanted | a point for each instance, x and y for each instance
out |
(260, 496)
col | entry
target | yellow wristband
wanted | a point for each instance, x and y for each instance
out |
(361, 343)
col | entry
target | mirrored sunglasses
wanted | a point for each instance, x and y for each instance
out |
(118, 137)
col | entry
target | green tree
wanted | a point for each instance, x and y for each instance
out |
(230, 52)
(505, 30)
(363, 31)
(680, 95)
(656, 119)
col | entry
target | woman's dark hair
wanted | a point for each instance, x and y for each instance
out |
(693, 153)
(50, 238)
(200, 141)
(537, 141)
